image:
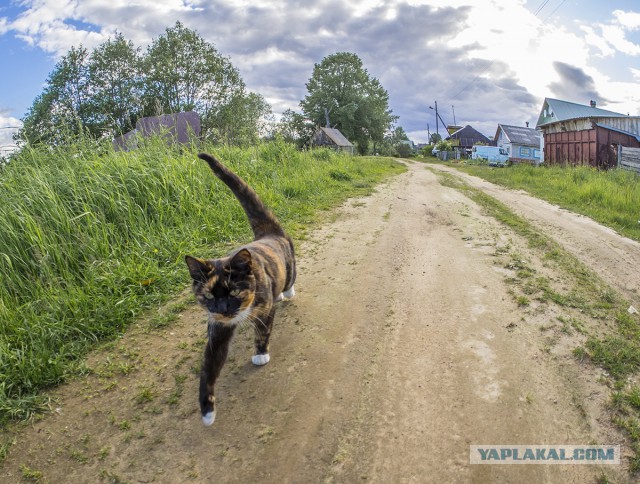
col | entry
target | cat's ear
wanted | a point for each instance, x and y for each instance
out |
(197, 268)
(241, 261)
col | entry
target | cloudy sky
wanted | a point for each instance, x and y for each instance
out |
(484, 61)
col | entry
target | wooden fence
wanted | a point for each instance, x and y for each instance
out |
(629, 158)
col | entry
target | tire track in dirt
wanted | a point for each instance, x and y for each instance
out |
(614, 258)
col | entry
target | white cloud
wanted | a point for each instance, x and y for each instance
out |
(611, 38)
(616, 37)
(8, 127)
(493, 59)
(629, 20)
(593, 39)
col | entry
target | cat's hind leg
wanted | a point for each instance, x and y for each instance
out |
(289, 294)
(262, 333)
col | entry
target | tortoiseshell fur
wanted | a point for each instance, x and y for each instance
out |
(242, 286)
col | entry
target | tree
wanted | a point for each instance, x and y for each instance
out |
(355, 102)
(395, 143)
(184, 72)
(435, 138)
(115, 78)
(62, 110)
(444, 145)
(295, 128)
(105, 92)
(241, 120)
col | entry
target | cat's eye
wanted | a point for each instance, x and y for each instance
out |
(234, 292)
(208, 295)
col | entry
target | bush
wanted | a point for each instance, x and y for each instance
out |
(427, 151)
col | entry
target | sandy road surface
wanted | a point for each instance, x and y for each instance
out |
(616, 259)
(402, 348)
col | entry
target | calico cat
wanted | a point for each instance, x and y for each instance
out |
(242, 286)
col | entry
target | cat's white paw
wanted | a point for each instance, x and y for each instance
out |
(260, 360)
(209, 418)
(286, 295)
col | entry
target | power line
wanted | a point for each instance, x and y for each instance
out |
(544, 3)
(554, 10)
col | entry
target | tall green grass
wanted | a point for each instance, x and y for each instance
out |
(611, 197)
(90, 238)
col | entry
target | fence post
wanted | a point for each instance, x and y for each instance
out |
(619, 155)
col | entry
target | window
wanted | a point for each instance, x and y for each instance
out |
(525, 152)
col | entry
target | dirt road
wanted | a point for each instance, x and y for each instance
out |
(403, 347)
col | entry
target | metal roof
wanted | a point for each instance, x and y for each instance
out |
(520, 135)
(628, 133)
(336, 136)
(555, 110)
(469, 136)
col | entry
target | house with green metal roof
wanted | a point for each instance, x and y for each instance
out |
(578, 134)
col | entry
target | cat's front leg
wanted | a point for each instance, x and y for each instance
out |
(215, 355)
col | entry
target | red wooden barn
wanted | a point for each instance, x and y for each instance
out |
(577, 134)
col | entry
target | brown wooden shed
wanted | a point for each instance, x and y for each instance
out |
(332, 138)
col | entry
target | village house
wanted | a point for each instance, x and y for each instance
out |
(578, 134)
(522, 143)
(464, 138)
(175, 128)
(332, 138)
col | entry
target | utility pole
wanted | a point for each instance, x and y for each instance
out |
(436, 103)
(438, 117)
(454, 115)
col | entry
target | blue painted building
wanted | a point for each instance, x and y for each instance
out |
(522, 144)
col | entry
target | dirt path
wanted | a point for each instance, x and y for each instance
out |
(615, 258)
(402, 348)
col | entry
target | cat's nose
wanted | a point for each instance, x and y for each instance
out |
(223, 306)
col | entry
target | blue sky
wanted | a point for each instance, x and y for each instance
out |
(493, 60)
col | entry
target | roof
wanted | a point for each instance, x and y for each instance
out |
(336, 136)
(469, 136)
(628, 133)
(555, 110)
(520, 135)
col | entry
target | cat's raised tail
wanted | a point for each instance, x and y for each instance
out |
(262, 221)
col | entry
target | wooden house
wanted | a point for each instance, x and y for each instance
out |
(578, 134)
(464, 138)
(174, 128)
(522, 143)
(332, 138)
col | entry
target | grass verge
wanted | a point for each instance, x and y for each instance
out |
(610, 197)
(89, 239)
(615, 347)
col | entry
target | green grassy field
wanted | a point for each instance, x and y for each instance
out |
(89, 239)
(610, 197)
